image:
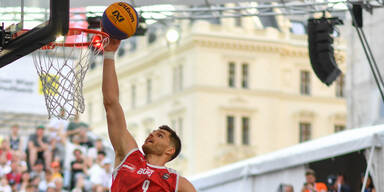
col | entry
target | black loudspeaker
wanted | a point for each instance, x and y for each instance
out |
(94, 22)
(142, 27)
(321, 52)
(357, 11)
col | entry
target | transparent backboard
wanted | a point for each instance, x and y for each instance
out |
(23, 14)
(44, 19)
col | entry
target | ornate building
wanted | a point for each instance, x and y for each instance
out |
(232, 89)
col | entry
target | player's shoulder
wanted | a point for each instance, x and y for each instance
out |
(135, 151)
(133, 155)
(185, 185)
(129, 153)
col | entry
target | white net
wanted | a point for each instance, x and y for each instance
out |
(62, 66)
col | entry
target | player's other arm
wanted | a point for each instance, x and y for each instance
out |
(122, 141)
(185, 185)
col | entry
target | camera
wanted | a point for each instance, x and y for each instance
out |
(331, 180)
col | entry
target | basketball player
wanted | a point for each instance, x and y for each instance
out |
(136, 171)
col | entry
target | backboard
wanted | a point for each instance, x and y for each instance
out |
(31, 12)
(45, 20)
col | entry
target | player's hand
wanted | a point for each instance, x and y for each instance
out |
(113, 45)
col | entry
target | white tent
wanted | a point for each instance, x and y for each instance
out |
(265, 173)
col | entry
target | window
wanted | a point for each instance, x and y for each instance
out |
(305, 131)
(121, 51)
(339, 128)
(133, 96)
(340, 83)
(92, 65)
(238, 21)
(245, 130)
(268, 21)
(178, 78)
(149, 90)
(230, 130)
(244, 77)
(231, 74)
(298, 28)
(305, 83)
(177, 125)
(152, 37)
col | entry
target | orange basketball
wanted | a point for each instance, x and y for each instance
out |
(120, 20)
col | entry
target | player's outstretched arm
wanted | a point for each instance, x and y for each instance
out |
(122, 141)
(185, 185)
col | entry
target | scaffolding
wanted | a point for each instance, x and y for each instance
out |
(232, 9)
(268, 8)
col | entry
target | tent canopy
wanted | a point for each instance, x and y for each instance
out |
(82, 3)
(85, 3)
(315, 150)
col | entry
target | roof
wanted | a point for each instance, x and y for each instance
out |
(315, 150)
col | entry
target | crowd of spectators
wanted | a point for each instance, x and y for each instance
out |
(64, 156)
(58, 157)
(335, 183)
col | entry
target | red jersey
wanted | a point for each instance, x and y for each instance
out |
(135, 174)
(13, 177)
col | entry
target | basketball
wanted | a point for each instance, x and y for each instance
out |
(120, 20)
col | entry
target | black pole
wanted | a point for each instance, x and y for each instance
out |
(369, 55)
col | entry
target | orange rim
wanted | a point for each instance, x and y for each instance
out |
(78, 31)
(74, 32)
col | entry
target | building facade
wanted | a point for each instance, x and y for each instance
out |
(365, 104)
(231, 89)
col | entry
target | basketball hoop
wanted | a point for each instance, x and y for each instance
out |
(62, 65)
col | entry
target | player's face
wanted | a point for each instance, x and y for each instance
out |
(340, 179)
(310, 178)
(15, 129)
(157, 142)
(40, 132)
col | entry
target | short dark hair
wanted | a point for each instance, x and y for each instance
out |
(30, 186)
(74, 151)
(39, 162)
(175, 140)
(341, 174)
(310, 172)
(101, 153)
